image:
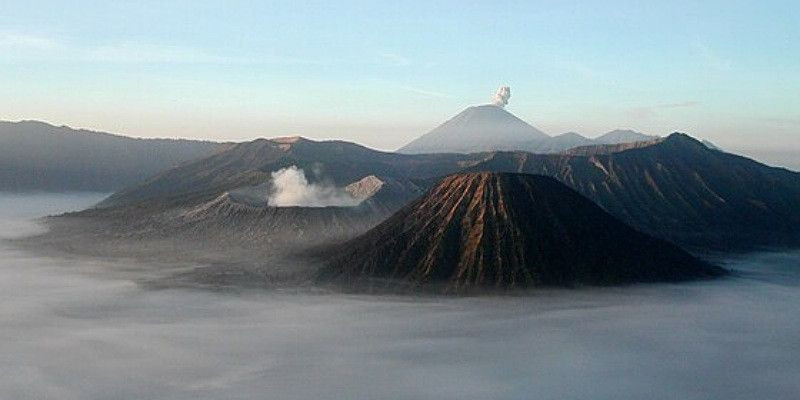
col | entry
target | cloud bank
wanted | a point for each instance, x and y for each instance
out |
(76, 329)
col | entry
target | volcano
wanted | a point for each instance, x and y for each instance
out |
(476, 129)
(504, 230)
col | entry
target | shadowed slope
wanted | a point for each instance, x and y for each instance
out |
(508, 231)
(679, 189)
(39, 156)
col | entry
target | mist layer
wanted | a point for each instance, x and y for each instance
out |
(70, 329)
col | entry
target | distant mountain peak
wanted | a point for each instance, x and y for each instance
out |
(624, 131)
(571, 135)
(477, 128)
(619, 136)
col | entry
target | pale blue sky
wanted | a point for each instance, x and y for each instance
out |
(382, 74)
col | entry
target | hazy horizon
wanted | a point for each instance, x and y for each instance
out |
(773, 156)
(725, 72)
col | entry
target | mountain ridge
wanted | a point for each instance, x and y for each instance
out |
(669, 188)
(250, 163)
(489, 128)
(39, 156)
(679, 189)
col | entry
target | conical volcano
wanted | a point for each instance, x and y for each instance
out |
(479, 128)
(502, 230)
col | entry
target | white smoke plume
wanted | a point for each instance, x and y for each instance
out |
(501, 96)
(291, 188)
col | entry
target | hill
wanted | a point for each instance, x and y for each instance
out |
(35, 156)
(507, 231)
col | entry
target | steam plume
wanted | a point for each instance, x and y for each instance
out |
(291, 188)
(501, 96)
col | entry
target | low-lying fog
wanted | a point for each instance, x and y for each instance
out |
(69, 330)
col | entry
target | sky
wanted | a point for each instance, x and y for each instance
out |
(383, 73)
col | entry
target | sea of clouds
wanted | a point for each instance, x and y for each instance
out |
(69, 329)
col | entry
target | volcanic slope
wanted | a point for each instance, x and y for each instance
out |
(501, 230)
(679, 189)
(250, 164)
(476, 129)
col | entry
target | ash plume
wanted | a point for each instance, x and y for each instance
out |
(290, 187)
(501, 96)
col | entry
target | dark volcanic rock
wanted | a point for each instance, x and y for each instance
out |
(505, 230)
